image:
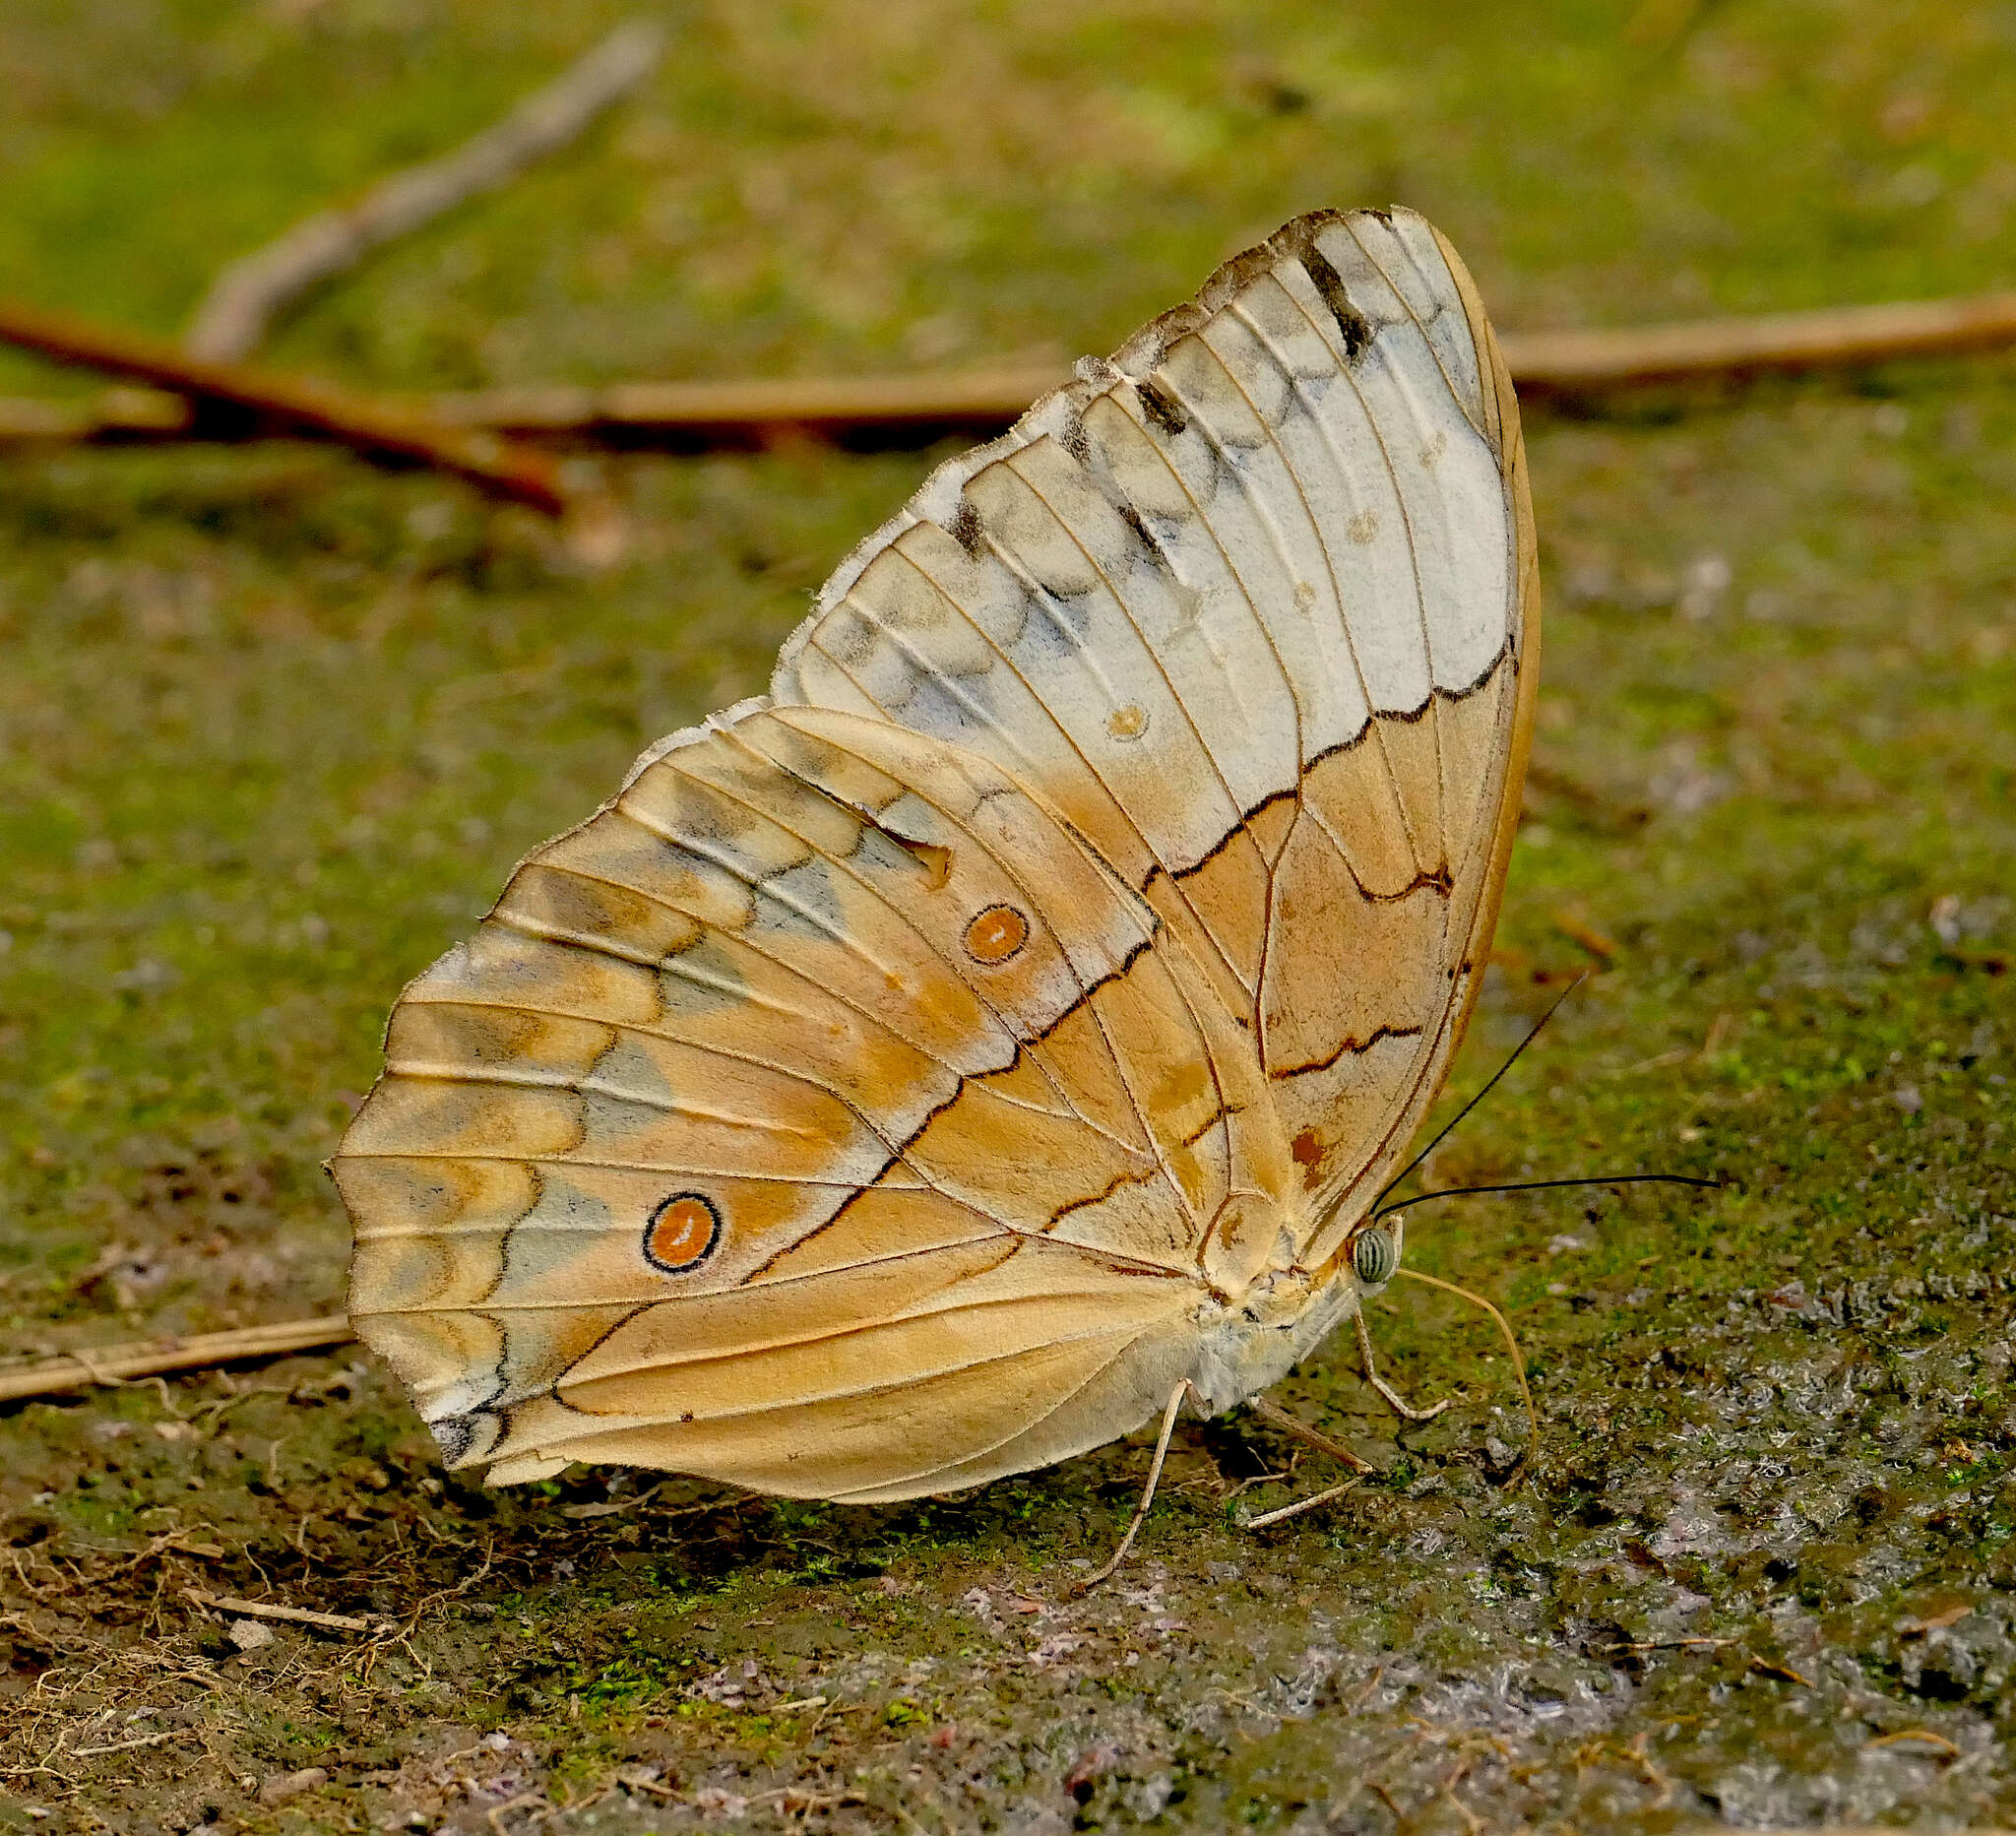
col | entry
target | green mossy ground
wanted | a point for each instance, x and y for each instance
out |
(272, 728)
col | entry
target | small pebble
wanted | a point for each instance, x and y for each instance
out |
(282, 1786)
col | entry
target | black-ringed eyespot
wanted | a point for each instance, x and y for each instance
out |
(682, 1233)
(996, 934)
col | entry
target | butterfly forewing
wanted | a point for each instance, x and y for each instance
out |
(1317, 469)
(886, 1089)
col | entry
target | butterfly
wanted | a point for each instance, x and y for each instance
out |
(936, 1067)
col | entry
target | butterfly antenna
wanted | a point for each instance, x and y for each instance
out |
(1504, 1326)
(1401, 1178)
(1542, 1185)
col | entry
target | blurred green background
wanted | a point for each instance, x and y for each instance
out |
(274, 727)
(845, 186)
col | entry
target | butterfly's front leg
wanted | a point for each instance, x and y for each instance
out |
(1393, 1399)
(1278, 1417)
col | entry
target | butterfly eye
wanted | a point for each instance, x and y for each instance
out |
(682, 1234)
(1375, 1257)
(996, 934)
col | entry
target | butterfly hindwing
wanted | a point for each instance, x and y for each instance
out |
(820, 1053)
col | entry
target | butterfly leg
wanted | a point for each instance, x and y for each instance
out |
(1394, 1401)
(1278, 1417)
(1161, 1448)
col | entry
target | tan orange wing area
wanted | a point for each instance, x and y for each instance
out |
(723, 1119)
(892, 1086)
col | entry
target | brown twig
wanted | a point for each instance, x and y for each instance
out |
(116, 1364)
(112, 415)
(756, 412)
(265, 1610)
(1835, 338)
(1579, 930)
(243, 300)
(1923, 1734)
(1541, 364)
(1283, 1513)
(228, 400)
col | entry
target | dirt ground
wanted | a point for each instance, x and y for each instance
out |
(272, 728)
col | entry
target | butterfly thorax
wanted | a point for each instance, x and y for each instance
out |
(1250, 1343)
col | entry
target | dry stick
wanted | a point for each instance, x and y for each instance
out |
(266, 1609)
(1835, 338)
(1284, 1512)
(110, 415)
(1562, 363)
(203, 1351)
(243, 300)
(228, 399)
(715, 414)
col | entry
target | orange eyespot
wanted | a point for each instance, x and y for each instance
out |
(996, 934)
(682, 1234)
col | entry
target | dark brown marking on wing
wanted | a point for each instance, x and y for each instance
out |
(1142, 1177)
(1352, 1047)
(1307, 1152)
(1440, 880)
(1074, 439)
(1136, 522)
(1161, 407)
(966, 529)
(1355, 328)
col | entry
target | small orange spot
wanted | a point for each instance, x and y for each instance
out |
(1128, 722)
(1308, 1153)
(682, 1234)
(996, 934)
